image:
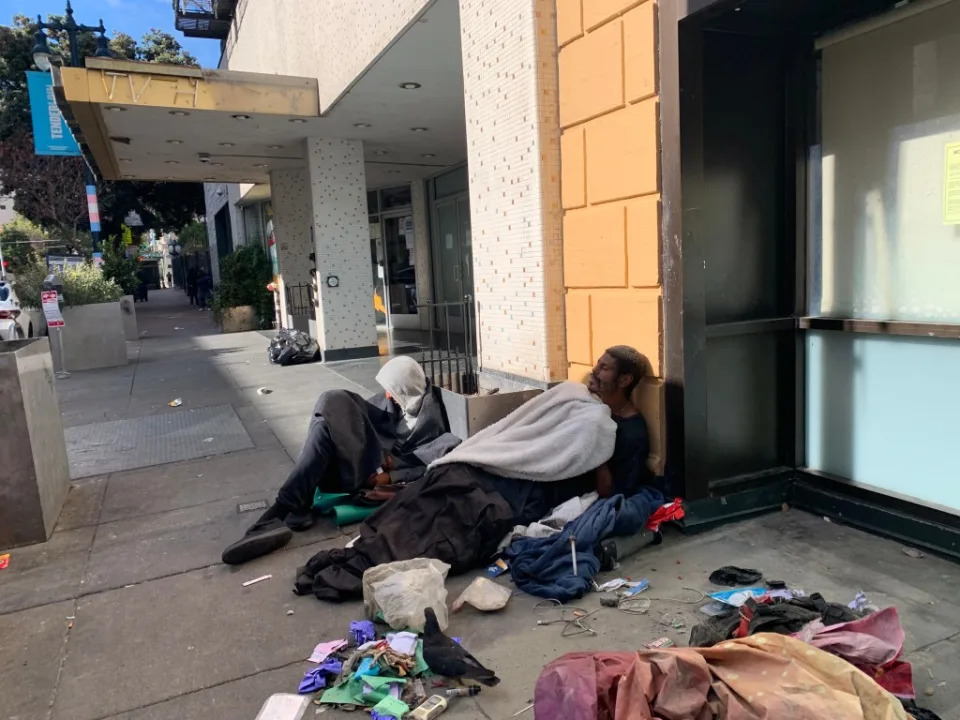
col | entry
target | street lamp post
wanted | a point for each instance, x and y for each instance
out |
(43, 59)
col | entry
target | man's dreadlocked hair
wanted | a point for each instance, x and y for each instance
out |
(629, 362)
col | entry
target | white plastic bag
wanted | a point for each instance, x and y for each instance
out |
(402, 590)
(484, 594)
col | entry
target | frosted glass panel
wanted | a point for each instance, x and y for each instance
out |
(885, 245)
(885, 411)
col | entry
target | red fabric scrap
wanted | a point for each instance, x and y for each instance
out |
(665, 513)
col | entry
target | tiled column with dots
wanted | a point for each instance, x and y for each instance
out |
(346, 326)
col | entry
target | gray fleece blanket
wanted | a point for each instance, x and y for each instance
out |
(559, 434)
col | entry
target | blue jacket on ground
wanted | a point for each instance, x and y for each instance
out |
(543, 566)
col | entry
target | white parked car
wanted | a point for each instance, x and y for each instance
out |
(17, 323)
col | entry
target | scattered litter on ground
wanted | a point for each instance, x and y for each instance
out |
(289, 612)
(177, 402)
(403, 643)
(248, 583)
(929, 691)
(736, 598)
(732, 576)
(715, 609)
(573, 618)
(659, 643)
(316, 678)
(860, 603)
(483, 594)
(4, 561)
(291, 347)
(616, 584)
(521, 711)
(325, 649)
(913, 552)
(826, 519)
(498, 568)
(207, 440)
(178, 328)
(362, 631)
(264, 391)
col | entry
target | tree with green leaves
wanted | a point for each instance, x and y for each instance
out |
(49, 190)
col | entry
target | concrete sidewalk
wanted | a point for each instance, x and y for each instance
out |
(128, 613)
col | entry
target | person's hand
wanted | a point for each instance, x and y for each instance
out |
(378, 479)
(388, 462)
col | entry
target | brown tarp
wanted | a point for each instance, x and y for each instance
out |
(764, 676)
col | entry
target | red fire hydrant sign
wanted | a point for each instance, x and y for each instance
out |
(51, 308)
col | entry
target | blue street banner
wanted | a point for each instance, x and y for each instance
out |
(51, 135)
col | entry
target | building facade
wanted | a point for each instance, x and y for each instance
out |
(761, 197)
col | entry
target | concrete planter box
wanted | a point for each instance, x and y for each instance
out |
(33, 455)
(469, 414)
(128, 310)
(93, 337)
(239, 319)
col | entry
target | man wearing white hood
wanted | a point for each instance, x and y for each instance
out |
(354, 444)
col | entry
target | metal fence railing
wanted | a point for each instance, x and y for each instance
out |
(300, 300)
(450, 358)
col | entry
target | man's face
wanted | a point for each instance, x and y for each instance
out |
(605, 376)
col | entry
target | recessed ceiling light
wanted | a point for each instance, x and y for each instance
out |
(298, 121)
(116, 108)
(226, 144)
(173, 162)
(410, 85)
(381, 152)
(428, 155)
(125, 160)
(175, 142)
(217, 164)
(260, 165)
(418, 129)
(275, 147)
(179, 113)
(209, 180)
(241, 116)
(169, 177)
(362, 125)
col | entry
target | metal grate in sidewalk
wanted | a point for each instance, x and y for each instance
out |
(118, 445)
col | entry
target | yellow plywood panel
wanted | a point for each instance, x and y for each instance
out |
(579, 373)
(627, 317)
(643, 241)
(622, 153)
(597, 12)
(594, 247)
(640, 52)
(568, 21)
(591, 75)
(573, 178)
(578, 327)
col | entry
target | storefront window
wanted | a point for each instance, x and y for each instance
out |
(253, 224)
(397, 197)
(886, 226)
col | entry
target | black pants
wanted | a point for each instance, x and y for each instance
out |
(192, 294)
(315, 469)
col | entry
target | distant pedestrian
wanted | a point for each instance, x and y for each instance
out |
(169, 279)
(204, 289)
(192, 285)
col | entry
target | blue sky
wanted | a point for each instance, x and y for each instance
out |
(134, 17)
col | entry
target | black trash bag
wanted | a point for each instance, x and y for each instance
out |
(291, 347)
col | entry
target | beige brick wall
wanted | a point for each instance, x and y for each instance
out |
(610, 189)
(510, 85)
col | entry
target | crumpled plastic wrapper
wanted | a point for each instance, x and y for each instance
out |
(483, 594)
(402, 590)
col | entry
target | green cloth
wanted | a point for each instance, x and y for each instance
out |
(391, 707)
(421, 667)
(351, 692)
(349, 514)
(325, 502)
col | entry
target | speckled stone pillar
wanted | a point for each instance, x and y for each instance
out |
(345, 327)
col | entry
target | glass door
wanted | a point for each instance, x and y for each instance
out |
(449, 276)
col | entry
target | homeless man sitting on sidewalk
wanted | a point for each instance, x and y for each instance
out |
(561, 444)
(352, 444)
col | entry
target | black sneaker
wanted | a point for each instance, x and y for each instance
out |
(298, 522)
(258, 542)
